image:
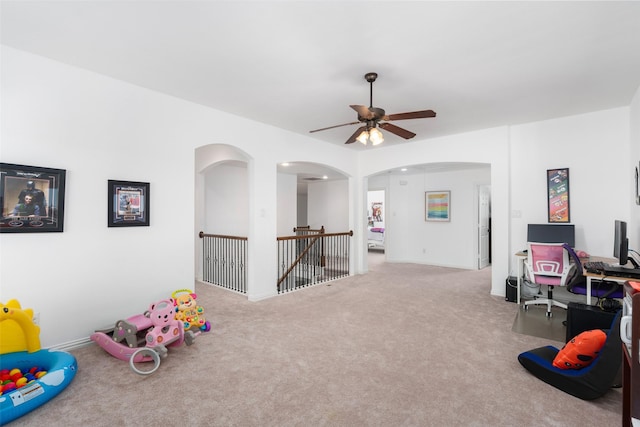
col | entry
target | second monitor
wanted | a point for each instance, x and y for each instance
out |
(552, 233)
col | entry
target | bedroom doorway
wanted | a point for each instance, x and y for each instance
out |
(375, 221)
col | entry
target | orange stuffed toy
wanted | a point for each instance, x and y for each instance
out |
(581, 350)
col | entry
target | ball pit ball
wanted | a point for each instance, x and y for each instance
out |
(10, 386)
(14, 379)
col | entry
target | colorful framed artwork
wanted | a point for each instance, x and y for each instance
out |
(31, 199)
(128, 204)
(638, 184)
(437, 205)
(558, 195)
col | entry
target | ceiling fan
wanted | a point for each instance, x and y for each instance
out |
(372, 118)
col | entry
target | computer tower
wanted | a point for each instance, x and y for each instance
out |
(511, 291)
(583, 317)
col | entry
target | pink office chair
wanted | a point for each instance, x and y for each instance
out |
(548, 264)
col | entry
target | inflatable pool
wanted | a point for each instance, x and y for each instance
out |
(60, 367)
(20, 350)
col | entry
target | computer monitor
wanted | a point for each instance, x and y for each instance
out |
(620, 242)
(552, 233)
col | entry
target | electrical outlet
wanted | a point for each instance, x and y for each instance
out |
(36, 318)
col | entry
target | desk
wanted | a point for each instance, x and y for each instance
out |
(522, 257)
(591, 276)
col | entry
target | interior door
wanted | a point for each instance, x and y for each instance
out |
(484, 226)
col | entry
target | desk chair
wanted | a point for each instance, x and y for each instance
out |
(548, 264)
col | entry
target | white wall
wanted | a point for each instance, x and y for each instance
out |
(227, 200)
(489, 147)
(409, 238)
(98, 128)
(519, 155)
(594, 147)
(328, 206)
(287, 204)
(301, 204)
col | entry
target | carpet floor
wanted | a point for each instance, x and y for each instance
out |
(403, 345)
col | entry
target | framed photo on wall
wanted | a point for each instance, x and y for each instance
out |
(31, 199)
(638, 184)
(128, 204)
(558, 195)
(437, 205)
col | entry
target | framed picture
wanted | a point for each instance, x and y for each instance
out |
(558, 195)
(31, 199)
(437, 205)
(128, 204)
(638, 184)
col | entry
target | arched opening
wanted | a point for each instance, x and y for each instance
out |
(221, 195)
(410, 235)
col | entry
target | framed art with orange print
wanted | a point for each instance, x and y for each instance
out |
(558, 195)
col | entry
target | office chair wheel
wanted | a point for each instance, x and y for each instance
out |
(525, 307)
(549, 314)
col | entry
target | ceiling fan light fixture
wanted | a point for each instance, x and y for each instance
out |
(369, 119)
(362, 138)
(375, 136)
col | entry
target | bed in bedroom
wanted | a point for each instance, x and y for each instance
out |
(376, 237)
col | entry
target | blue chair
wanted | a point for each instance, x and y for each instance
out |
(587, 383)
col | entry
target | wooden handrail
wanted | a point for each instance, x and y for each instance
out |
(308, 228)
(309, 236)
(202, 234)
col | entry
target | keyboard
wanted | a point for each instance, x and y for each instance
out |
(595, 266)
(605, 269)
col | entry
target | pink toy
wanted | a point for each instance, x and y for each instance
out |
(145, 337)
(166, 329)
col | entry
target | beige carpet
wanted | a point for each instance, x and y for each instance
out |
(405, 345)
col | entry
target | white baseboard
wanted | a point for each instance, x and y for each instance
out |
(72, 345)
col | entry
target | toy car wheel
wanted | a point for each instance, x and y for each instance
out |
(140, 367)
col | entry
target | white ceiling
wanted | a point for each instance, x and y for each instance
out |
(298, 65)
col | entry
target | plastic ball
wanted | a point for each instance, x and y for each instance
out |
(21, 382)
(40, 374)
(9, 387)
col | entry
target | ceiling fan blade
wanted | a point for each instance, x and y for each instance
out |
(363, 112)
(353, 137)
(425, 114)
(336, 126)
(397, 130)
